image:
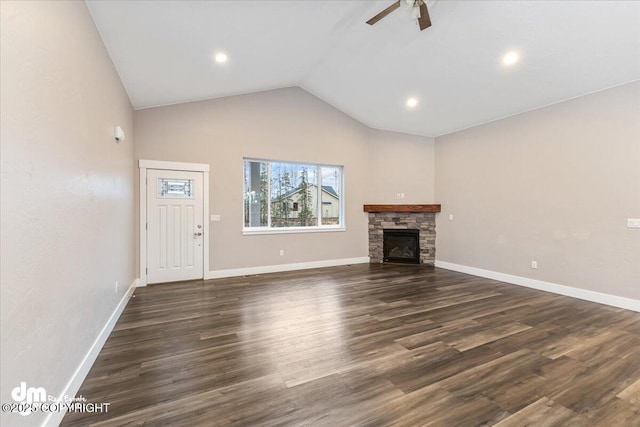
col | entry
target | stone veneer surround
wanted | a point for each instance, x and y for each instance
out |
(423, 221)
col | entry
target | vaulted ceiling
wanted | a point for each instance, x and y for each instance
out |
(164, 52)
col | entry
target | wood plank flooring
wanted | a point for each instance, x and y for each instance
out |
(365, 345)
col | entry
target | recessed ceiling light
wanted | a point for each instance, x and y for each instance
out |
(221, 57)
(510, 58)
(412, 102)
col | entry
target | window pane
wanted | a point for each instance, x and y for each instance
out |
(281, 194)
(174, 188)
(256, 190)
(294, 194)
(331, 197)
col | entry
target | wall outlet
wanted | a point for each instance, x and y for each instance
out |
(116, 287)
(450, 217)
(281, 252)
(534, 264)
(633, 222)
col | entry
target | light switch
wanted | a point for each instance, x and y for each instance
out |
(215, 218)
(633, 222)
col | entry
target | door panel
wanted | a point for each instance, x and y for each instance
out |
(174, 225)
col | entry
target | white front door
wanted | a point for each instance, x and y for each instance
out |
(174, 225)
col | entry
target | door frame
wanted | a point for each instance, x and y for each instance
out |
(175, 166)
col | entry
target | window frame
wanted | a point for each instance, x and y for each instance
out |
(341, 226)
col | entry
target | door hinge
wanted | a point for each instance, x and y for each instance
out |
(146, 225)
(146, 270)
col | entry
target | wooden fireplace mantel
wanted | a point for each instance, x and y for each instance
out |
(402, 208)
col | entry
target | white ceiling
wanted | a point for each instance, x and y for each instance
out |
(163, 51)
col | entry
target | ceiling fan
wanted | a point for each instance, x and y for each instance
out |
(417, 9)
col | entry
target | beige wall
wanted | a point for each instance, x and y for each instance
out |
(400, 163)
(284, 124)
(67, 193)
(554, 185)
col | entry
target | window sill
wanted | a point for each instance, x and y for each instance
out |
(291, 230)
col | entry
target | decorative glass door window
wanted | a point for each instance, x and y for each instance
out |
(172, 188)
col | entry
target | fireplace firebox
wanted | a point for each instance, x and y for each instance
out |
(401, 246)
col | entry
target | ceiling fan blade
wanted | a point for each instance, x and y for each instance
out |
(424, 21)
(384, 13)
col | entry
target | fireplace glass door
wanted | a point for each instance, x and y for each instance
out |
(401, 246)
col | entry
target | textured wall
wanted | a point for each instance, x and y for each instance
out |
(67, 193)
(555, 185)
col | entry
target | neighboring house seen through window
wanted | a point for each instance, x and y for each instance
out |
(281, 195)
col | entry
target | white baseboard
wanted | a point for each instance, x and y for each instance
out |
(78, 377)
(235, 272)
(584, 294)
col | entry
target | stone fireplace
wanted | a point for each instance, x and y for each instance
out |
(420, 218)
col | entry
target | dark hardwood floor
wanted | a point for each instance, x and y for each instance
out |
(370, 345)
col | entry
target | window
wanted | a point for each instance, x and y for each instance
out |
(284, 195)
(174, 188)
